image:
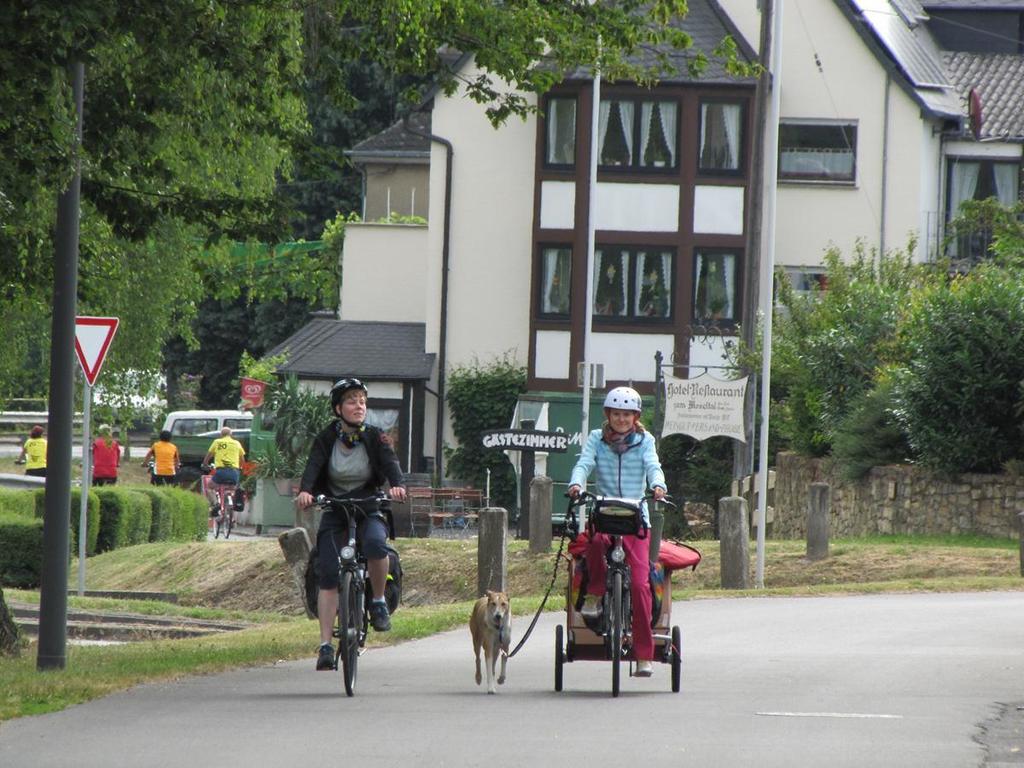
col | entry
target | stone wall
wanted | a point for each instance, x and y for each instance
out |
(896, 499)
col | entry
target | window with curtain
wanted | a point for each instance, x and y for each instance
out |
(720, 137)
(637, 134)
(560, 120)
(979, 179)
(556, 274)
(714, 287)
(633, 283)
(817, 151)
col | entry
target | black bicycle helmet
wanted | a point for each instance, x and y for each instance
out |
(344, 385)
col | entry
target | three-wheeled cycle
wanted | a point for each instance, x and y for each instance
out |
(609, 638)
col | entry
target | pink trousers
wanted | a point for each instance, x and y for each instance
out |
(638, 557)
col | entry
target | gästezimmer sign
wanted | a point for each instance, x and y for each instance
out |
(704, 407)
(527, 440)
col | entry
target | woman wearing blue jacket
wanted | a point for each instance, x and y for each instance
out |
(627, 464)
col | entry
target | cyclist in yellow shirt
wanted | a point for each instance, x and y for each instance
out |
(33, 453)
(226, 455)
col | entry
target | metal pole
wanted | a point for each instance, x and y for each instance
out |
(771, 154)
(53, 594)
(588, 307)
(83, 508)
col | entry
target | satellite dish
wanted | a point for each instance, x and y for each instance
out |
(974, 113)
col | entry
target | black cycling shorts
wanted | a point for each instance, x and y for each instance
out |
(372, 534)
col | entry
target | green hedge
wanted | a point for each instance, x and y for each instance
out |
(92, 517)
(163, 506)
(21, 550)
(17, 502)
(117, 517)
(189, 518)
(126, 516)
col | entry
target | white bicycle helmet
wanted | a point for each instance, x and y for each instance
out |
(623, 399)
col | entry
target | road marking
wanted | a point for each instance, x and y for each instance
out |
(851, 715)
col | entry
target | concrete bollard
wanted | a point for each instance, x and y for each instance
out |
(818, 511)
(734, 542)
(296, 546)
(491, 552)
(540, 514)
(1020, 517)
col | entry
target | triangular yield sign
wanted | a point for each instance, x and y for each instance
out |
(92, 340)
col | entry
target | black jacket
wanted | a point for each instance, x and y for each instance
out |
(383, 462)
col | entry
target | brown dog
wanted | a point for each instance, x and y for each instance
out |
(491, 627)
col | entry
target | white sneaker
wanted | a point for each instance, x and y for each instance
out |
(644, 669)
(591, 607)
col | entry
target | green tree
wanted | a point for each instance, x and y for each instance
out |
(483, 397)
(828, 346)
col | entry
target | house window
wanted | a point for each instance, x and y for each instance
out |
(807, 281)
(556, 274)
(720, 136)
(979, 179)
(638, 134)
(561, 132)
(633, 283)
(817, 151)
(714, 287)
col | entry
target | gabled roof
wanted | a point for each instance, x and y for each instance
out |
(999, 80)
(894, 31)
(328, 349)
(396, 143)
(707, 24)
(974, 5)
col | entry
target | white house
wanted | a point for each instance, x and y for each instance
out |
(876, 140)
(500, 267)
(876, 145)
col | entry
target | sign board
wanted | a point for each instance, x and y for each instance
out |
(253, 391)
(704, 407)
(527, 440)
(92, 340)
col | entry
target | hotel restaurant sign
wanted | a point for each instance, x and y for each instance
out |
(704, 407)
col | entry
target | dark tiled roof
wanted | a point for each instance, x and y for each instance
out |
(999, 80)
(973, 5)
(396, 141)
(707, 24)
(329, 349)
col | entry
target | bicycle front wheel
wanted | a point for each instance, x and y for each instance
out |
(350, 607)
(615, 630)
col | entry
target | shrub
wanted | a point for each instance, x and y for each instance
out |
(828, 347)
(125, 517)
(21, 551)
(189, 515)
(160, 522)
(483, 398)
(694, 471)
(871, 434)
(958, 396)
(92, 523)
(21, 503)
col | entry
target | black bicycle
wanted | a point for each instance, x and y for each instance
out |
(616, 517)
(353, 619)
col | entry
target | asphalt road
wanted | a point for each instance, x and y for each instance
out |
(894, 680)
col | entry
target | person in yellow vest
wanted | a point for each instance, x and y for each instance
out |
(33, 453)
(226, 455)
(166, 460)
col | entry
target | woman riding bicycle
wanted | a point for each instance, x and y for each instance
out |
(627, 464)
(349, 459)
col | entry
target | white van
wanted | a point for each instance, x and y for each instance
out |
(191, 423)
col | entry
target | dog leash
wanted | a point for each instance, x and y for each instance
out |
(554, 575)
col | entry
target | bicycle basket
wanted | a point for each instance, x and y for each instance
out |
(617, 517)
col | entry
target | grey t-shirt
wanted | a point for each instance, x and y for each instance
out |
(349, 468)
